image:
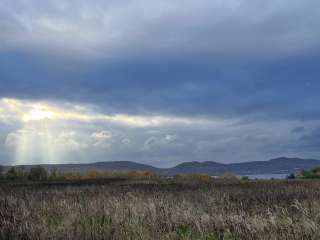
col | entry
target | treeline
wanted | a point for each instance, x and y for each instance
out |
(311, 174)
(39, 173)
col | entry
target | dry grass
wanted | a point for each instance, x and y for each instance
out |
(163, 210)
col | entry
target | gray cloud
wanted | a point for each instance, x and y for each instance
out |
(78, 139)
(245, 73)
(298, 130)
(113, 29)
(223, 59)
(310, 140)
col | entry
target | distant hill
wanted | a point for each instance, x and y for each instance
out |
(105, 166)
(277, 165)
(282, 165)
(212, 168)
(121, 166)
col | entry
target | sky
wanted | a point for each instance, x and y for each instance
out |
(158, 82)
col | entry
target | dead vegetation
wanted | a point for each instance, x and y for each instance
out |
(167, 209)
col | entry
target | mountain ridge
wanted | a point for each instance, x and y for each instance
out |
(280, 165)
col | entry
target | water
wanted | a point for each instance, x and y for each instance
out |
(267, 176)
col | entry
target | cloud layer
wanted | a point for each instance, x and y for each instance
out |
(113, 29)
(44, 132)
(158, 82)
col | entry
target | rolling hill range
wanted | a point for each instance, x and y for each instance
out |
(282, 165)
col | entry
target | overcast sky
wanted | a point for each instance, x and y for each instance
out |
(158, 82)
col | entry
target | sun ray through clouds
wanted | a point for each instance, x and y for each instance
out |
(51, 132)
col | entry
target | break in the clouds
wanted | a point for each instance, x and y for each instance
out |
(48, 132)
(158, 82)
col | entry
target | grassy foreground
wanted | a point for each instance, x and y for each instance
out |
(120, 209)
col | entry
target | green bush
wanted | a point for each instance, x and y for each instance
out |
(245, 178)
(291, 176)
(12, 174)
(54, 175)
(184, 232)
(312, 174)
(38, 174)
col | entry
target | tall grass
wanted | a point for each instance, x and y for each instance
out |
(164, 210)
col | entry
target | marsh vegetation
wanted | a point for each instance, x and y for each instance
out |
(182, 208)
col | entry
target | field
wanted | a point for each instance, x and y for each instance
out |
(122, 209)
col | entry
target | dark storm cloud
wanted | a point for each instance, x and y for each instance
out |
(224, 58)
(260, 89)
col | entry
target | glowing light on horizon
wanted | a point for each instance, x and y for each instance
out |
(38, 115)
(27, 111)
(32, 145)
(41, 125)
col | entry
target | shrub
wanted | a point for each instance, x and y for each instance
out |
(54, 174)
(12, 174)
(184, 232)
(38, 174)
(201, 177)
(245, 178)
(291, 176)
(141, 175)
(230, 176)
(22, 173)
(195, 177)
(1, 172)
(69, 176)
(92, 174)
(312, 174)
